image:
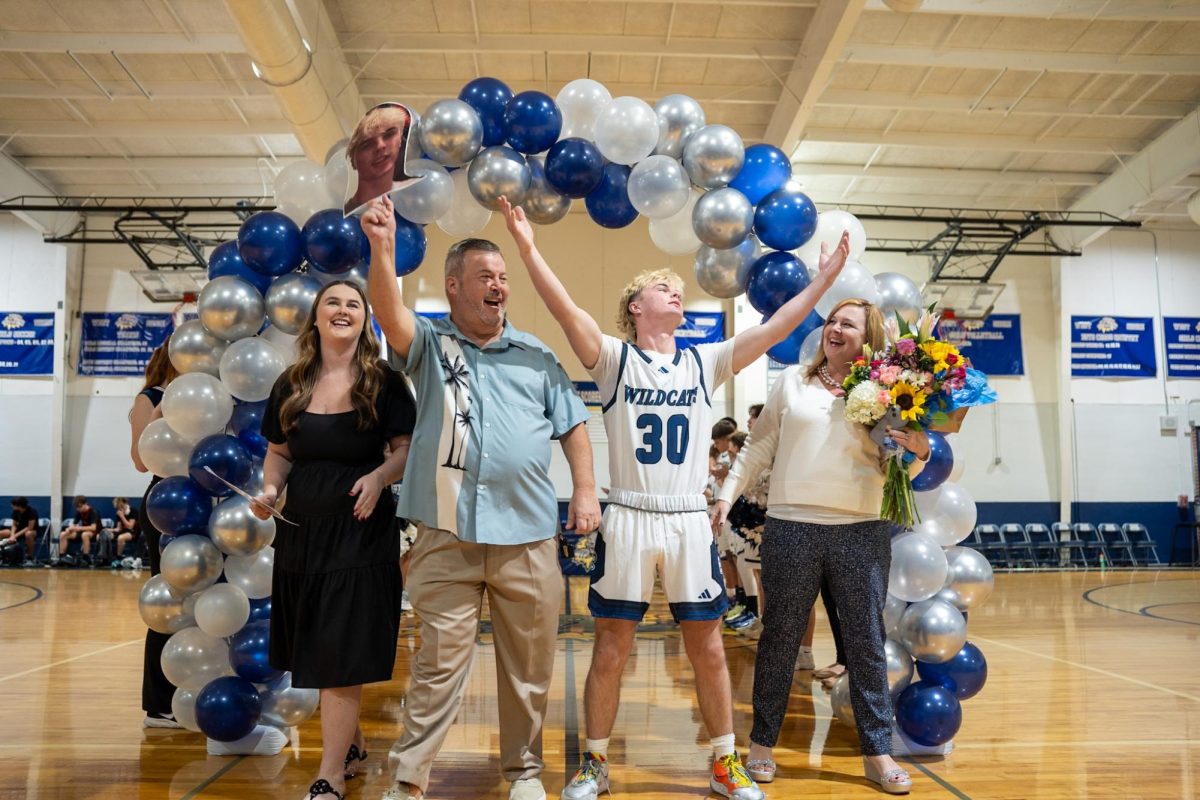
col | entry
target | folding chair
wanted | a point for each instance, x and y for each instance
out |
(991, 544)
(1090, 545)
(1120, 552)
(1064, 535)
(1140, 541)
(1017, 544)
(1043, 545)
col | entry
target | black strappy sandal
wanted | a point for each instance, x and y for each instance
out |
(321, 786)
(354, 757)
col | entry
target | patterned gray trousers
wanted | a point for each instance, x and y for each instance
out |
(855, 560)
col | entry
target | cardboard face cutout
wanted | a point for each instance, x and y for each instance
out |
(378, 152)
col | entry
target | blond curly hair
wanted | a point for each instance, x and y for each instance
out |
(651, 277)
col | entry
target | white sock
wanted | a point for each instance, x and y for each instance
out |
(723, 745)
(597, 746)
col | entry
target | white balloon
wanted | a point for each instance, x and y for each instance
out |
(893, 609)
(252, 574)
(952, 509)
(301, 191)
(675, 234)
(626, 131)
(222, 610)
(811, 346)
(249, 368)
(191, 658)
(854, 281)
(658, 187)
(581, 101)
(428, 200)
(466, 216)
(183, 708)
(284, 342)
(918, 569)
(197, 405)
(337, 177)
(164, 451)
(831, 224)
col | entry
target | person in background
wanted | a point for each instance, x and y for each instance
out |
(24, 526)
(755, 410)
(86, 526)
(126, 529)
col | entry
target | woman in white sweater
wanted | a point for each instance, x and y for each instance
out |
(823, 521)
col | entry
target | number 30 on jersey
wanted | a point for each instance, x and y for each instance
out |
(658, 439)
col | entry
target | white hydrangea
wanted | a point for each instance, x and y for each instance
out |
(864, 404)
(916, 379)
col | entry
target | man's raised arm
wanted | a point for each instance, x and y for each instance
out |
(395, 319)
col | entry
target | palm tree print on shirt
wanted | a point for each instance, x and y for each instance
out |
(455, 375)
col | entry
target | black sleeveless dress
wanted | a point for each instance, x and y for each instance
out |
(335, 598)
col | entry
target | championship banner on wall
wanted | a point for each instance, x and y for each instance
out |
(1112, 347)
(26, 343)
(700, 327)
(993, 344)
(1182, 338)
(120, 344)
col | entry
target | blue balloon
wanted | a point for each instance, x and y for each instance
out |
(785, 219)
(775, 278)
(226, 260)
(788, 351)
(939, 466)
(270, 243)
(410, 246)
(574, 167)
(609, 203)
(247, 426)
(533, 122)
(489, 97)
(228, 708)
(965, 674)
(250, 653)
(332, 242)
(178, 506)
(765, 169)
(224, 455)
(260, 609)
(928, 713)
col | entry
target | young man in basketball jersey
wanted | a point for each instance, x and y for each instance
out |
(658, 414)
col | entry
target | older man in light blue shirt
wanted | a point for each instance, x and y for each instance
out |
(490, 399)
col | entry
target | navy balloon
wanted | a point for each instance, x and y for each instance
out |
(224, 455)
(226, 260)
(533, 122)
(788, 351)
(332, 242)
(939, 466)
(247, 426)
(178, 506)
(260, 609)
(228, 708)
(965, 674)
(785, 219)
(250, 653)
(775, 278)
(410, 246)
(574, 167)
(765, 169)
(489, 97)
(609, 203)
(928, 713)
(270, 243)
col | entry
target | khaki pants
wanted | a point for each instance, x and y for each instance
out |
(446, 581)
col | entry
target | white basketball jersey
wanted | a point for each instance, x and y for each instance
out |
(658, 414)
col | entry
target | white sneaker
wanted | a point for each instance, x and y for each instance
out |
(527, 789)
(405, 603)
(160, 721)
(264, 740)
(804, 659)
(137, 563)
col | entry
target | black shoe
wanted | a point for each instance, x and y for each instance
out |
(322, 786)
(354, 757)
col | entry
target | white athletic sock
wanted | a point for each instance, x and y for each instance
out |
(597, 746)
(723, 745)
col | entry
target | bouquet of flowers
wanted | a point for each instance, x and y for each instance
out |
(920, 377)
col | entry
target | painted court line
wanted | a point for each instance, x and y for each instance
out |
(1097, 670)
(16, 675)
(216, 776)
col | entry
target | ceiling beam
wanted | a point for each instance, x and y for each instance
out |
(993, 104)
(1024, 60)
(824, 40)
(1175, 10)
(370, 42)
(141, 128)
(16, 181)
(382, 89)
(939, 174)
(126, 90)
(974, 141)
(76, 164)
(124, 43)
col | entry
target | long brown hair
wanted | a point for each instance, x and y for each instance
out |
(873, 335)
(302, 376)
(159, 370)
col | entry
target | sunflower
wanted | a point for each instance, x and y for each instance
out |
(938, 351)
(909, 399)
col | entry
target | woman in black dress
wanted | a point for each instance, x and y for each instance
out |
(335, 599)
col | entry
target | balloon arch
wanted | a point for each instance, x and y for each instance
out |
(736, 208)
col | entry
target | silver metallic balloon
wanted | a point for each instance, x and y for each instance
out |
(183, 708)
(969, 579)
(679, 116)
(191, 564)
(222, 609)
(252, 574)
(230, 308)
(933, 631)
(658, 187)
(285, 706)
(428, 199)
(713, 156)
(496, 172)
(289, 301)
(236, 531)
(898, 294)
(191, 658)
(197, 405)
(164, 451)
(899, 666)
(543, 204)
(724, 273)
(451, 132)
(161, 607)
(674, 234)
(249, 368)
(918, 569)
(626, 130)
(839, 698)
(893, 610)
(723, 218)
(193, 349)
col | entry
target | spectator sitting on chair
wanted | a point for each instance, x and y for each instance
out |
(86, 525)
(127, 528)
(24, 524)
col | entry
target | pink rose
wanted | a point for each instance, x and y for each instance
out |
(906, 347)
(889, 374)
(874, 375)
(885, 398)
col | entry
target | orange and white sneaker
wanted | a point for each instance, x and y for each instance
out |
(730, 779)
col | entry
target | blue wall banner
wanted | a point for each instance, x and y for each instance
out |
(1182, 337)
(120, 344)
(993, 344)
(589, 393)
(26, 342)
(1112, 347)
(700, 327)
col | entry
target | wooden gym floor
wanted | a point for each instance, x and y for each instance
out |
(1094, 691)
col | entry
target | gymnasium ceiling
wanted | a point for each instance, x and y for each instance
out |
(1024, 104)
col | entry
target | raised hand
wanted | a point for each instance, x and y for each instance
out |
(518, 226)
(832, 262)
(379, 221)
